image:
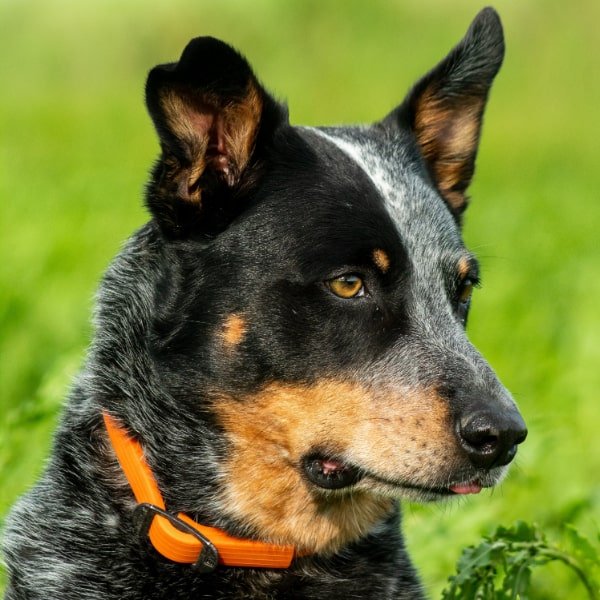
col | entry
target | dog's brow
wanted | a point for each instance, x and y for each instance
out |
(369, 164)
(467, 265)
(381, 259)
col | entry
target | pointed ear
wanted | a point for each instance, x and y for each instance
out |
(209, 112)
(445, 108)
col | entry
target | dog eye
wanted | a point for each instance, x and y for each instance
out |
(466, 291)
(347, 286)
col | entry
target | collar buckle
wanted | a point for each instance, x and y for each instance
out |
(143, 516)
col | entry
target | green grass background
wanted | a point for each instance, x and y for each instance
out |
(76, 144)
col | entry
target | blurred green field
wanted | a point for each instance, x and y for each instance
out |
(76, 144)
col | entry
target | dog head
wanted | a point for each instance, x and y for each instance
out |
(305, 304)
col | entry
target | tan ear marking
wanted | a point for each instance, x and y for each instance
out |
(448, 136)
(240, 126)
(214, 134)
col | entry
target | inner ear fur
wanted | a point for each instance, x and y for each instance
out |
(210, 133)
(208, 110)
(444, 110)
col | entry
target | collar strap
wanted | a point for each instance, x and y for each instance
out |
(178, 537)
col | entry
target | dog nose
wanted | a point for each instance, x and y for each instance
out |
(491, 439)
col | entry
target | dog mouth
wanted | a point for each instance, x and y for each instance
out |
(333, 473)
(330, 473)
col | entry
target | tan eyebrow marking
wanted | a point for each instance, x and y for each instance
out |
(464, 266)
(381, 260)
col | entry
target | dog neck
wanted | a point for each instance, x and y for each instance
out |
(178, 537)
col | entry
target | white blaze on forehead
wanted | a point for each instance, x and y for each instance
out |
(417, 210)
(369, 160)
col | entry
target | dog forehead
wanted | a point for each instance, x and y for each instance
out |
(420, 216)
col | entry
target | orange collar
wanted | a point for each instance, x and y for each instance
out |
(178, 537)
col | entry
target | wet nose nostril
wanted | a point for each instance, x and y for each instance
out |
(490, 440)
(477, 431)
(481, 438)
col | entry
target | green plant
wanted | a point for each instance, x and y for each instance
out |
(500, 567)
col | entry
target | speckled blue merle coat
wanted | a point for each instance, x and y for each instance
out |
(286, 339)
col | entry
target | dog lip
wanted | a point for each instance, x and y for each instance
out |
(464, 486)
(432, 490)
(329, 472)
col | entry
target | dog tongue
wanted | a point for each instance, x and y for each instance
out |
(472, 487)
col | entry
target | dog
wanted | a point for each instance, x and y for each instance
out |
(280, 353)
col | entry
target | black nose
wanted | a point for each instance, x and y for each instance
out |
(491, 439)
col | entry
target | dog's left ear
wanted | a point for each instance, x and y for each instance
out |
(211, 114)
(444, 110)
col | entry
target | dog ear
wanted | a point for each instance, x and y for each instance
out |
(209, 112)
(444, 110)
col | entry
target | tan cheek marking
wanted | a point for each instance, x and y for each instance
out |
(234, 330)
(381, 260)
(424, 447)
(271, 431)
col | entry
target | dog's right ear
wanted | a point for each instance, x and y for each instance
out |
(211, 116)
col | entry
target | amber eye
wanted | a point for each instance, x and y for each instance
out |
(466, 291)
(347, 286)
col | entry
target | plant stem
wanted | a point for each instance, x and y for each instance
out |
(571, 562)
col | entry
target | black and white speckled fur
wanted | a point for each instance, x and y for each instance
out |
(155, 364)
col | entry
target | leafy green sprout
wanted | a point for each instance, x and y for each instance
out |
(500, 567)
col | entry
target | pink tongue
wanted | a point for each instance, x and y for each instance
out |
(466, 488)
